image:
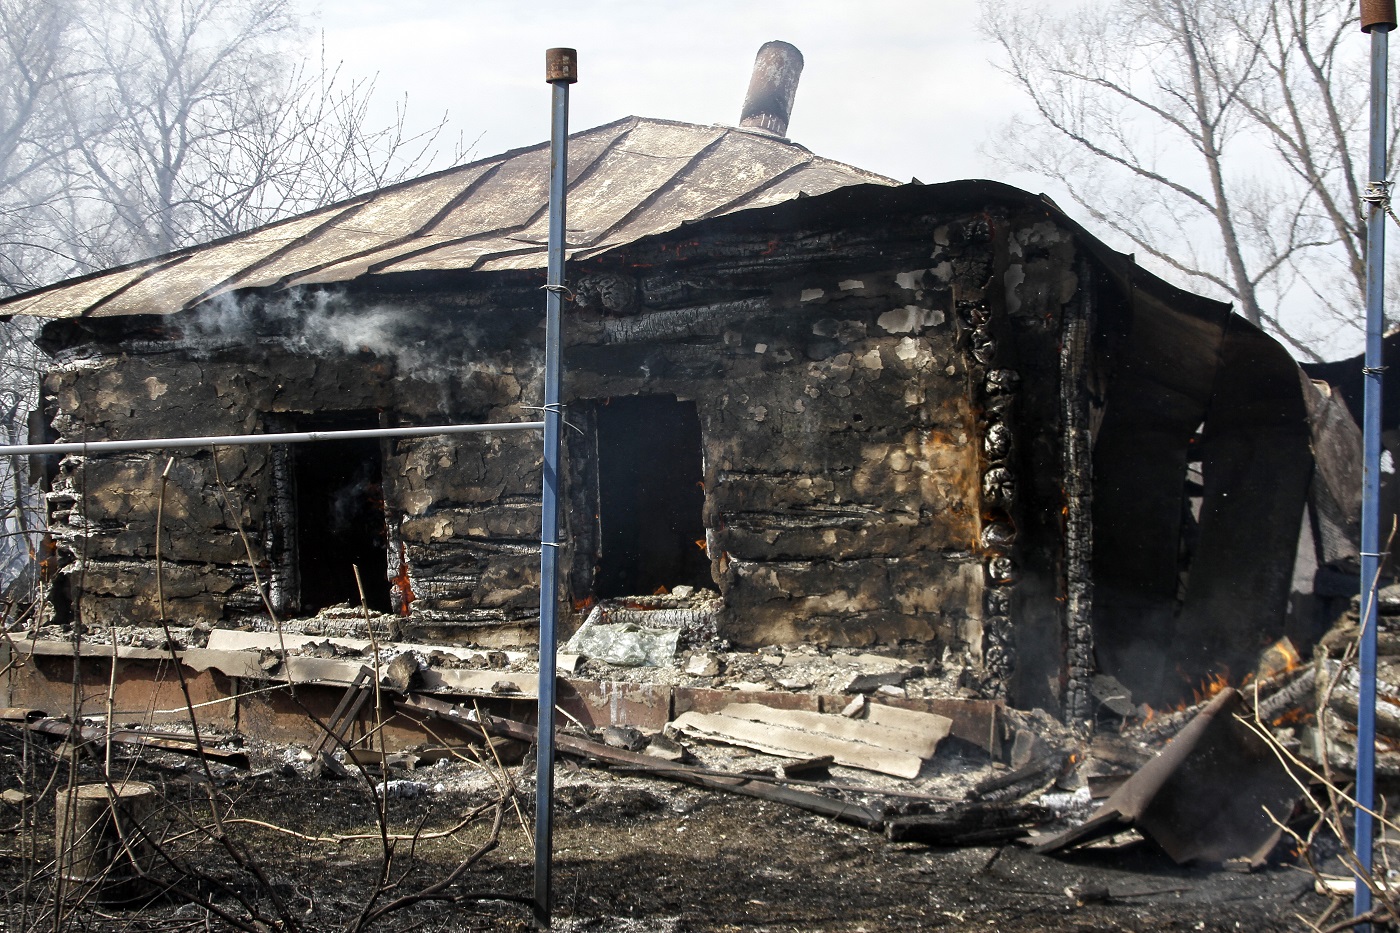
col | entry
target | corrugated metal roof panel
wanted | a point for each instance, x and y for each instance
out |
(628, 179)
(379, 222)
(167, 289)
(74, 298)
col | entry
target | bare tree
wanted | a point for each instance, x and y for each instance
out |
(1217, 137)
(199, 122)
(129, 128)
(35, 64)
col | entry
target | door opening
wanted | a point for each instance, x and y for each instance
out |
(340, 515)
(650, 496)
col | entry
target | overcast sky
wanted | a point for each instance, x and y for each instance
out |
(898, 87)
(905, 88)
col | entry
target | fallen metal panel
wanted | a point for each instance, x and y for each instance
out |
(921, 741)
(789, 742)
(1204, 798)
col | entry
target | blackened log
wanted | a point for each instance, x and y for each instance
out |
(165, 741)
(971, 824)
(1022, 781)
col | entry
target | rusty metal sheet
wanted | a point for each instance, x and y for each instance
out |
(628, 179)
(1204, 798)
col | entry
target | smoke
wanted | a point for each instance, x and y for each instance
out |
(328, 324)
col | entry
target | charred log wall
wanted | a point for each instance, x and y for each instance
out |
(880, 412)
(880, 432)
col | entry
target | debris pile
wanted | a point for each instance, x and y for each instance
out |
(1337, 685)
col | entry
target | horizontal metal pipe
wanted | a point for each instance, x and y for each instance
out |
(246, 440)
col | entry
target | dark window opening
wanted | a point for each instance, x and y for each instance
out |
(340, 515)
(651, 496)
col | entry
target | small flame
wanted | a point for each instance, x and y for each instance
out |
(1280, 658)
(1292, 717)
(403, 584)
(1211, 686)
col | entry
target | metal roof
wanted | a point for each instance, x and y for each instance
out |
(627, 180)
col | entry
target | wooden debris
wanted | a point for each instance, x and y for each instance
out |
(1013, 785)
(810, 769)
(970, 824)
(346, 710)
(165, 741)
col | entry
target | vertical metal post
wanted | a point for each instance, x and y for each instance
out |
(1377, 19)
(561, 70)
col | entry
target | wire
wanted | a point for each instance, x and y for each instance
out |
(1378, 193)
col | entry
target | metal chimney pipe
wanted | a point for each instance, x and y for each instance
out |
(768, 104)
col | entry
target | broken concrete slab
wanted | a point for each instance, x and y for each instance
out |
(624, 737)
(665, 748)
(401, 673)
(703, 664)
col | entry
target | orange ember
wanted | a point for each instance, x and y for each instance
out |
(402, 584)
(1293, 717)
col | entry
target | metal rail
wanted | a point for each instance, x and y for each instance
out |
(561, 70)
(247, 440)
(1377, 18)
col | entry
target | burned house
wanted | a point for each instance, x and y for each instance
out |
(861, 413)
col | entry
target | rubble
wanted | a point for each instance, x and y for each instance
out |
(625, 643)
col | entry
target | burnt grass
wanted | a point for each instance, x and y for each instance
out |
(630, 854)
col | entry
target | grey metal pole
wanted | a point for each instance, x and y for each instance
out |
(561, 70)
(1377, 18)
(254, 440)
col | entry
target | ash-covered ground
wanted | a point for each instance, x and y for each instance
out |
(631, 853)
